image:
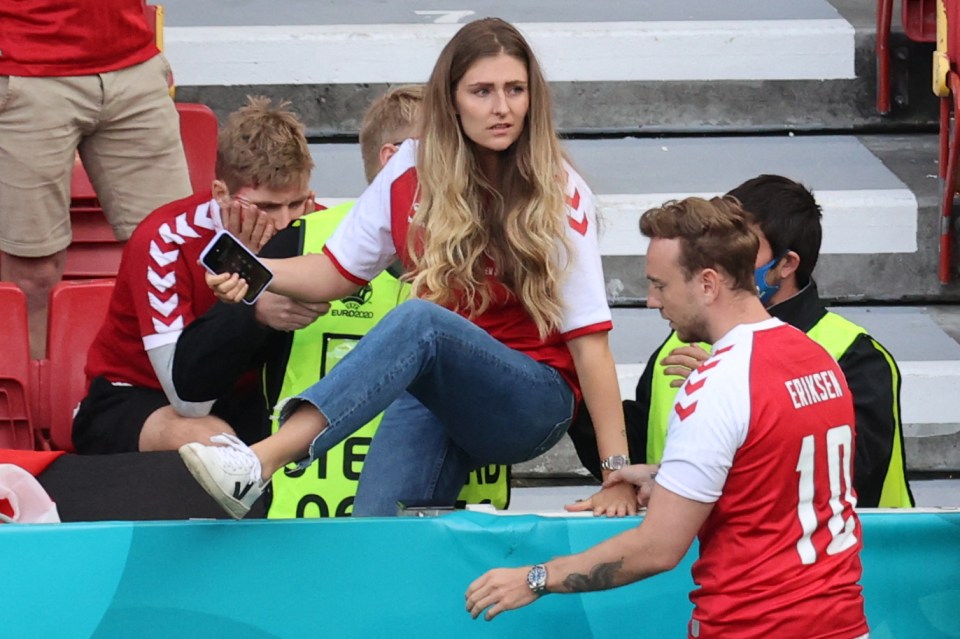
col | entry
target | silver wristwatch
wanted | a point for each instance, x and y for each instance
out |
(615, 462)
(537, 579)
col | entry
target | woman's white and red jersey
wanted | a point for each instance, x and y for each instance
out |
(764, 430)
(42, 38)
(160, 289)
(374, 234)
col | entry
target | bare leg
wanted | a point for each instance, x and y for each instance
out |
(36, 277)
(292, 441)
(166, 430)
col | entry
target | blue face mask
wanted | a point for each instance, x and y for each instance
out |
(766, 291)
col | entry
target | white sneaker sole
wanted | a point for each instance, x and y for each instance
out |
(198, 469)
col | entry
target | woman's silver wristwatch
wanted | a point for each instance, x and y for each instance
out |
(615, 462)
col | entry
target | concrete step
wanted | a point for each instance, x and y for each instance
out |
(919, 338)
(879, 196)
(693, 65)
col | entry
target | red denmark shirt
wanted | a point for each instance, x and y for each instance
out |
(41, 38)
(764, 429)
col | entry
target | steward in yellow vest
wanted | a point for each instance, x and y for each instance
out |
(872, 375)
(327, 487)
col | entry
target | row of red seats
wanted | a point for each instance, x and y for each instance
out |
(38, 397)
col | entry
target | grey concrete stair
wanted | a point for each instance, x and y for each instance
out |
(638, 67)
(878, 193)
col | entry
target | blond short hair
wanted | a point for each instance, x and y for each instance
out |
(263, 145)
(390, 119)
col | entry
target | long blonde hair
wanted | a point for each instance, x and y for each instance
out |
(463, 220)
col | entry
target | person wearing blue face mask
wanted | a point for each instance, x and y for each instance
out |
(765, 289)
(787, 220)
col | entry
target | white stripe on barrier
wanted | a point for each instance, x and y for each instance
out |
(569, 52)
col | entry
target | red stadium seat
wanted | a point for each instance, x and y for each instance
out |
(16, 425)
(198, 129)
(946, 85)
(77, 310)
(95, 252)
(919, 18)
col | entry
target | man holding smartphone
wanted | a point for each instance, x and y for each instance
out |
(263, 171)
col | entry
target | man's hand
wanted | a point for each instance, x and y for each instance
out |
(682, 361)
(248, 224)
(284, 314)
(640, 476)
(616, 500)
(499, 590)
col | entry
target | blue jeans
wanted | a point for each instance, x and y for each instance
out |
(455, 399)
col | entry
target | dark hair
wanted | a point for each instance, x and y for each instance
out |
(713, 234)
(788, 216)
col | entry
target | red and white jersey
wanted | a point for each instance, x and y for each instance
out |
(81, 37)
(374, 235)
(764, 429)
(160, 289)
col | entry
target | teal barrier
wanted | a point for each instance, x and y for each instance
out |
(399, 577)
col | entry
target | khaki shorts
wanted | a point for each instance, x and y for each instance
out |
(127, 131)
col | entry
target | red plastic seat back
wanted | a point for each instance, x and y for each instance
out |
(77, 311)
(95, 252)
(198, 130)
(952, 9)
(16, 425)
(919, 19)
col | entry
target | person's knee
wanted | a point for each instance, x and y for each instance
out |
(416, 315)
(36, 276)
(165, 429)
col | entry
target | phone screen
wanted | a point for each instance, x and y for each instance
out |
(225, 254)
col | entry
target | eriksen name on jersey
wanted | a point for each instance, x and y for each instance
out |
(812, 389)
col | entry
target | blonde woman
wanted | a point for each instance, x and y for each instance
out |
(509, 327)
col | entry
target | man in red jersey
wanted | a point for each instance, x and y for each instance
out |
(263, 172)
(87, 75)
(779, 542)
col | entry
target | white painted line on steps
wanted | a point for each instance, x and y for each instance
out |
(859, 222)
(854, 222)
(926, 395)
(570, 52)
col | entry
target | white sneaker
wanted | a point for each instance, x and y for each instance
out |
(230, 473)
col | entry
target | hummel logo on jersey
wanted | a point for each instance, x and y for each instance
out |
(240, 491)
(692, 387)
(685, 411)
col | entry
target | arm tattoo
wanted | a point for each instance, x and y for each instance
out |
(601, 577)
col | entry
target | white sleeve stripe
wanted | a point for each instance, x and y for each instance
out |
(157, 340)
(669, 472)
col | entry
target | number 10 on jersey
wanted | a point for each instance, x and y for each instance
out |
(839, 442)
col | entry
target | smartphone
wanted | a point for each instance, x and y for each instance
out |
(427, 508)
(226, 254)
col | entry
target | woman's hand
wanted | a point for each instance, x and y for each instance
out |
(619, 499)
(228, 287)
(641, 476)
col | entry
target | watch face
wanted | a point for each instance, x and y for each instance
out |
(615, 462)
(537, 578)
